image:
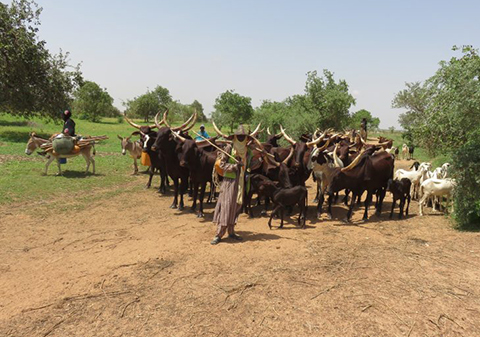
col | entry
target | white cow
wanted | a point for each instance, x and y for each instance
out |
(436, 187)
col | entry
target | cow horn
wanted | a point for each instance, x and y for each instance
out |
(135, 125)
(325, 145)
(257, 129)
(193, 122)
(336, 160)
(285, 161)
(316, 141)
(354, 162)
(217, 130)
(290, 140)
(180, 128)
(177, 135)
(131, 122)
(163, 121)
(268, 131)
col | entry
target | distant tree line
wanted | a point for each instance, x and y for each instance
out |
(326, 103)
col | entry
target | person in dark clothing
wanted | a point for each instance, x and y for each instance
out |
(69, 124)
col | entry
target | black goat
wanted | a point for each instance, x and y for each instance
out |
(285, 197)
(400, 190)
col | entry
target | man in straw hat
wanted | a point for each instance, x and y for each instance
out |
(230, 200)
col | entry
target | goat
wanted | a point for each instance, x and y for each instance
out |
(284, 197)
(400, 190)
(414, 176)
(436, 187)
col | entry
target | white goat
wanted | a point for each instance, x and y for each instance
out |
(436, 187)
(414, 177)
(445, 169)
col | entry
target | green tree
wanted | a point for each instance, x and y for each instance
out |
(232, 109)
(32, 81)
(372, 122)
(444, 111)
(146, 106)
(328, 101)
(324, 104)
(92, 102)
(198, 107)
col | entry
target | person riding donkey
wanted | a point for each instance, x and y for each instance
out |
(64, 142)
(233, 168)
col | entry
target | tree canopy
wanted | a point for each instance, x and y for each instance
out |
(325, 103)
(232, 109)
(146, 106)
(372, 122)
(92, 102)
(444, 111)
(32, 81)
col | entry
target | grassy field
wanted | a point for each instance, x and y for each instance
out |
(21, 177)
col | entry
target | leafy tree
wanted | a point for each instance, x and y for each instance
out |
(92, 102)
(328, 100)
(466, 166)
(372, 122)
(445, 109)
(146, 106)
(324, 104)
(32, 81)
(198, 107)
(232, 109)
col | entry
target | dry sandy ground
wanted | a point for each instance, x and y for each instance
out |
(130, 266)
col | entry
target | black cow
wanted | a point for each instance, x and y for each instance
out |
(200, 164)
(368, 172)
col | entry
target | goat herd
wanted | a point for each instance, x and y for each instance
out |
(337, 161)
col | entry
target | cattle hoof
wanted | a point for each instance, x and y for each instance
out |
(263, 212)
(200, 215)
(346, 220)
(173, 206)
(180, 208)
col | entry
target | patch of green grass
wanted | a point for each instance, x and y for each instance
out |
(21, 176)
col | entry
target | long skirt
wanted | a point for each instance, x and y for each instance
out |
(227, 210)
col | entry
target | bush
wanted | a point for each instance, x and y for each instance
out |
(466, 170)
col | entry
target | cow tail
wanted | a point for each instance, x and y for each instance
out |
(94, 150)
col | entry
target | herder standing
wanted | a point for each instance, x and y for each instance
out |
(230, 200)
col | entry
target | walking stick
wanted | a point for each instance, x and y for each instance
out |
(215, 146)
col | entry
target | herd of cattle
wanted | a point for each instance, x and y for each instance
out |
(337, 161)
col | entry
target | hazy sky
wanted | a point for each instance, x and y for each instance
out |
(261, 49)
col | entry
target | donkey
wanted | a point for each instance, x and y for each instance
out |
(36, 142)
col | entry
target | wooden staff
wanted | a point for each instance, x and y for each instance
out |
(215, 146)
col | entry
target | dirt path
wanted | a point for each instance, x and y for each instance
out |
(130, 266)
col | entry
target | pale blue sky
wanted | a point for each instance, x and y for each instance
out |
(261, 49)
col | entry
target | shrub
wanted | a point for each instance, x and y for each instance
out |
(466, 170)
